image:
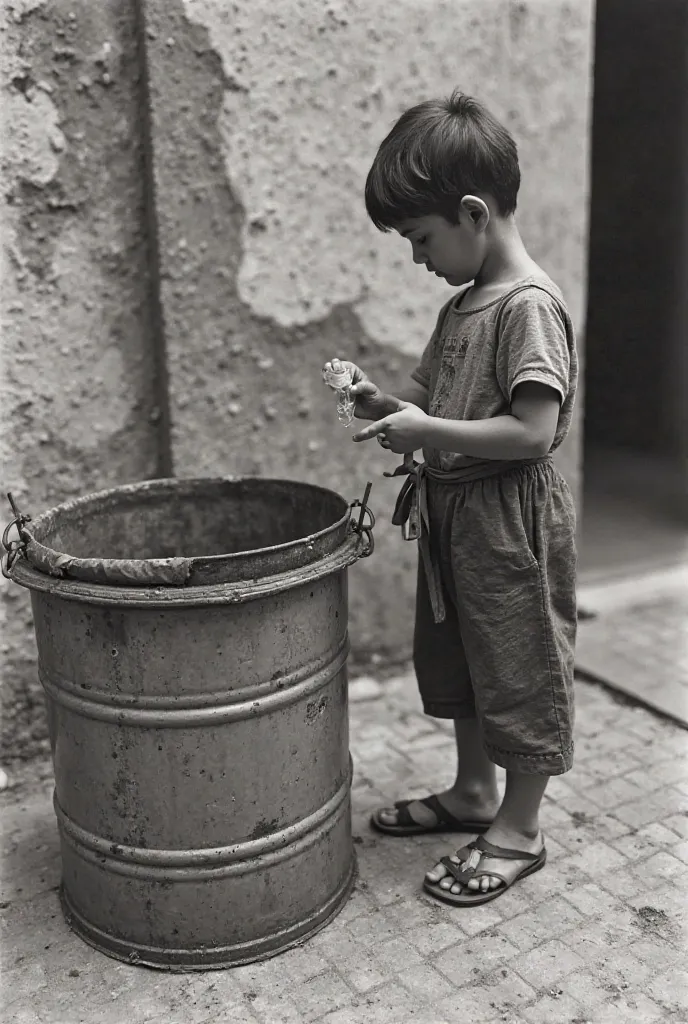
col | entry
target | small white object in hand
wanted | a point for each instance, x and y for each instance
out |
(340, 380)
(4, 779)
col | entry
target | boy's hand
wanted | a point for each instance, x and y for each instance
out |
(371, 403)
(402, 432)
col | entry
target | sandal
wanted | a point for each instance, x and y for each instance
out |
(473, 856)
(406, 826)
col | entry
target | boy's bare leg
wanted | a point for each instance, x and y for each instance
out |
(473, 796)
(516, 827)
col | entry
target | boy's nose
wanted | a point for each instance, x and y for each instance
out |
(417, 258)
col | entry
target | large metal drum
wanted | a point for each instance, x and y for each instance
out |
(192, 647)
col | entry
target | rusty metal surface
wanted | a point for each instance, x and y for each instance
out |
(200, 747)
(189, 532)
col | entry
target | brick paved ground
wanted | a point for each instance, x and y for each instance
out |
(598, 936)
(639, 643)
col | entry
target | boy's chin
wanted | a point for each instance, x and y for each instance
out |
(453, 281)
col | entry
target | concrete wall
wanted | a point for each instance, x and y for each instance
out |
(78, 387)
(262, 120)
(263, 129)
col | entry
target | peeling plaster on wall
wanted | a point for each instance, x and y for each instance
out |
(299, 137)
(18, 9)
(77, 392)
(246, 396)
(33, 138)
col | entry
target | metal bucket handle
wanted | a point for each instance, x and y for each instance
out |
(16, 547)
(13, 548)
(364, 530)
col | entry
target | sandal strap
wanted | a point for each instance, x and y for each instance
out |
(403, 817)
(470, 866)
(503, 853)
(458, 872)
(441, 813)
(443, 816)
(464, 875)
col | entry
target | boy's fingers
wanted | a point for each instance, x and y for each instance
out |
(371, 431)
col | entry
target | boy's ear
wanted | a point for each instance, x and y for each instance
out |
(477, 210)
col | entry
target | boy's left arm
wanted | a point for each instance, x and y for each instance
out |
(526, 433)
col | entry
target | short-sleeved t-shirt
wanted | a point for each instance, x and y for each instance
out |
(476, 357)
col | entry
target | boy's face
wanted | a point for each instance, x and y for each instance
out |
(454, 252)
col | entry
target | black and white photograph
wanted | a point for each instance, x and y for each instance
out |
(344, 511)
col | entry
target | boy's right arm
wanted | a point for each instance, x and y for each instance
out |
(416, 394)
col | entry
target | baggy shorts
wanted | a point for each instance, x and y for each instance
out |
(506, 552)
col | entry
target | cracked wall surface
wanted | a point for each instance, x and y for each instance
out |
(264, 121)
(77, 382)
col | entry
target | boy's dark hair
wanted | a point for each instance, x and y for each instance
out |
(438, 152)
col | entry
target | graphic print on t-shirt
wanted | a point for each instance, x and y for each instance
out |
(454, 348)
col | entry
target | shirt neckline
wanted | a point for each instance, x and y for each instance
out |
(455, 306)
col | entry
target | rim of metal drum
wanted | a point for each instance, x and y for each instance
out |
(315, 555)
(353, 548)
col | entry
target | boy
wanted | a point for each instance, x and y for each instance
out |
(491, 400)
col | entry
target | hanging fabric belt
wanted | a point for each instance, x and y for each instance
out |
(411, 509)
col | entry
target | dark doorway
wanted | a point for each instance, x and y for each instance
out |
(635, 512)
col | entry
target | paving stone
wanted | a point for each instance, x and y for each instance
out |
(547, 964)
(625, 884)
(541, 923)
(362, 972)
(335, 944)
(271, 1008)
(662, 803)
(656, 953)
(465, 963)
(552, 815)
(552, 1010)
(609, 795)
(643, 780)
(298, 965)
(390, 954)
(22, 982)
(434, 940)
(670, 989)
(678, 823)
(625, 968)
(424, 982)
(324, 993)
(515, 901)
(595, 941)
(680, 851)
(590, 988)
(499, 993)
(636, 846)
(364, 688)
(588, 826)
(479, 919)
(389, 1006)
(593, 901)
(635, 1010)
(597, 858)
(663, 911)
(413, 911)
(371, 929)
(661, 865)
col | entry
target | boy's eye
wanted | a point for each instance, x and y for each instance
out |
(421, 241)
